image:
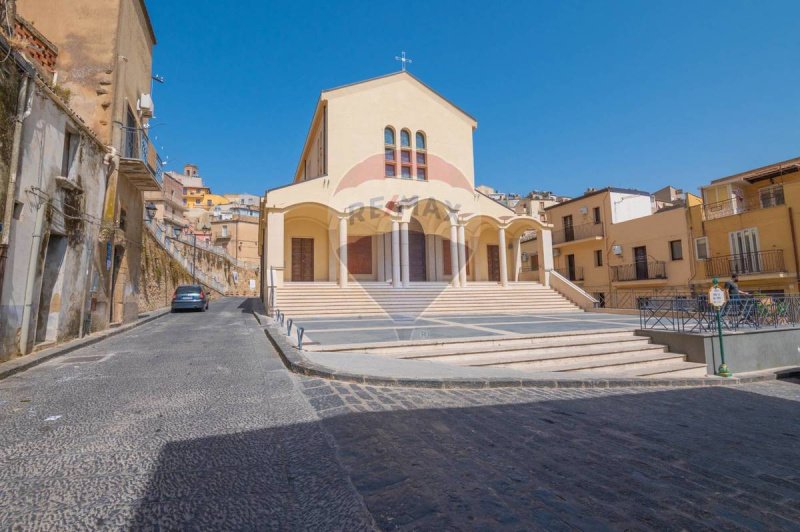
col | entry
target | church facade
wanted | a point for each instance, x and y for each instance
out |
(384, 192)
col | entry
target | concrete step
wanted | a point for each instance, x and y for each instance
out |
(632, 364)
(510, 345)
(677, 370)
(546, 357)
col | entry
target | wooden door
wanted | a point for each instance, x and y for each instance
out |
(569, 231)
(493, 257)
(571, 267)
(303, 259)
(640, 262)
(446, 266)
(416, 256)
(359, 255)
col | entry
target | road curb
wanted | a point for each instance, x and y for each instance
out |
(297, 362)
(14, 366)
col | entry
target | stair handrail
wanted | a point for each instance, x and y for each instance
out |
(571, 291)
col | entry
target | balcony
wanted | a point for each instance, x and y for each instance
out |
(574, 233)
(139, 160)
(575, 275)
(639, 271)
(771, 197)
(746, 263)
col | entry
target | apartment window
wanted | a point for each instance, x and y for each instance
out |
(70, 151)
(701, 248)
(596, 214)
(390, 170)
(405, 172)
(224, 231)
(184, 191)
(405, 138)
(676, 250)
(208, 202)
(388, 136)
(771, 196)
(197, 201)
(598, 257)
(420, 140)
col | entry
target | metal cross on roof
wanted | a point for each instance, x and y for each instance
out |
(403, 60)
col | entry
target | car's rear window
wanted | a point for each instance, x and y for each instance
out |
(188, 290)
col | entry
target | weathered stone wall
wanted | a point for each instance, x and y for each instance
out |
(161, 274)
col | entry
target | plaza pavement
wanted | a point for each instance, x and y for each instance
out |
(192, 422)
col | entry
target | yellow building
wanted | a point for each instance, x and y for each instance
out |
(238, 235)
(620, 244)
(209, 201)
(384, 191)
(747, 226)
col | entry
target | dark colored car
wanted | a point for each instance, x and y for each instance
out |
(190, 297)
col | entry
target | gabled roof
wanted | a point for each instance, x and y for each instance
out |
(411, 76)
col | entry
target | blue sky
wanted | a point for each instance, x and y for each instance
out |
(567, 94)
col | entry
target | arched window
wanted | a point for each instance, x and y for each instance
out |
(420, 140)
(405, 138)
(405, 154)
(422, 156)
(390, 162)
(388, 136)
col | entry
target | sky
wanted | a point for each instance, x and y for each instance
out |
(568, 94)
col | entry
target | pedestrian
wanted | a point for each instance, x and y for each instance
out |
(732, 287)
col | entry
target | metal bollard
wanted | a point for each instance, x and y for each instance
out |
(289, 327)
(300, 331)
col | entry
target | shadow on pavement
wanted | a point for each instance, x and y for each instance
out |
(696, 458)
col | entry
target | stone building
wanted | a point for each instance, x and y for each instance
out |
(53, 170)
(238, 236)
(104, 68)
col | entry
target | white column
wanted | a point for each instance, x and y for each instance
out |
(404, 253)
(501, 241)
(343, 273)
(395, 254)
(378, 240)
(462, 256)
(273, 244)
(454, 269)
(517, 257)
(544, 248)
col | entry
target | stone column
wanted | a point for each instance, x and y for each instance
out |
(395, 254)
(454, 269)
(462, 256)
(544, 249)
(501, 242)
(517, 257)
(404, 274)
(343, 273)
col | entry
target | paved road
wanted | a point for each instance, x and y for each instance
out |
(192, 422)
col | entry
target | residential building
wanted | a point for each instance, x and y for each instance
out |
(104, 71)
(384, 192)
(170, 211)
(193, 188)
(238, 236)
(614, 241)
(747, 225)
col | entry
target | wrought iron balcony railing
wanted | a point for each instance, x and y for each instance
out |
(765, 199)
(746, 263)
(575, 275)
(577, 232)
(137, 145)
(639, 271)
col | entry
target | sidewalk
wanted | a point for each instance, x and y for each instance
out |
(380, 371)
(26, 362)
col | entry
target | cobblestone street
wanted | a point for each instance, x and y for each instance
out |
(191, 421)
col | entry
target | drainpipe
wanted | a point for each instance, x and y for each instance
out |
(23, 110)
(33, 262)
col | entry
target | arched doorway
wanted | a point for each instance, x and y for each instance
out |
(416, 252)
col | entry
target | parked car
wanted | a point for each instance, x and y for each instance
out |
(189, 297)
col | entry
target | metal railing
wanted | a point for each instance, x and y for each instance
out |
(763, 200)
(577, 232)
(635, 299)
(745, 263)
(136, 145)
(575, 275)
(696, 315)
(639, 271)
(200, 244)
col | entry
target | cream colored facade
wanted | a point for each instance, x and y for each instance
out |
(350, 215)
(747, 225)
(238, 236)
(613, 243)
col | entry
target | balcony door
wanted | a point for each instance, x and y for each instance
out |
(640, 262)
(744, 251)
(569, 229)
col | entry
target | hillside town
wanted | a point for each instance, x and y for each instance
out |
(383, 339)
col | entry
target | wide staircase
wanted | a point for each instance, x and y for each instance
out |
(579, 354)
(419, 299)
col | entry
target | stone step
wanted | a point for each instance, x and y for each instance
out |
(412, 313)
(465, 347)
(632, 364)
(677, 370)
(489, 341)
(546, 356)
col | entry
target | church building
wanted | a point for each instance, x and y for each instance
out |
(384, 193)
